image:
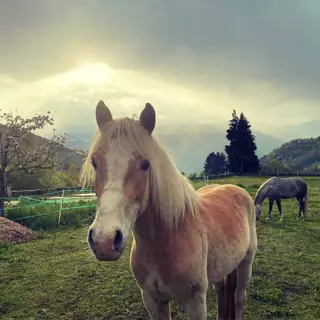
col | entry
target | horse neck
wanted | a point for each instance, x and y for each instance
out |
(260, 197)
(148, 226)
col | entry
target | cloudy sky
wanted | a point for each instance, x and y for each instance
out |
(194, 61)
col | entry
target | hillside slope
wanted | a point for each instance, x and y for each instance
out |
(30, 139)
(298, 154)
(67, 153)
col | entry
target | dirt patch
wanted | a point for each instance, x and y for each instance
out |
(13, 232)
(295, 289)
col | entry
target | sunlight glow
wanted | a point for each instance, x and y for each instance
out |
(90, 74)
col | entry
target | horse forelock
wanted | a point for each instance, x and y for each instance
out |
(171, 193)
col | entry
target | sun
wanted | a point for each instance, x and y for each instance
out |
(92, 74)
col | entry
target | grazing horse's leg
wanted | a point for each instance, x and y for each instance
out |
(270, 208)
(157, 310)
(279, 208)
(300, 207)
(243, 278)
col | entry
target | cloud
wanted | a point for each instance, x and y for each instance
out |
(201, 59)
(72, 96)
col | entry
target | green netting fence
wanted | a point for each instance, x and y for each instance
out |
(47, 211)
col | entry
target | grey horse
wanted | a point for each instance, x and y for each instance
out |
(276, 189)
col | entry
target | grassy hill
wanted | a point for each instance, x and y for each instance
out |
(298, 154)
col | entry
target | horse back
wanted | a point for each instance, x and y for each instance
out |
(224, 202)
(228, 214)
(291, 187)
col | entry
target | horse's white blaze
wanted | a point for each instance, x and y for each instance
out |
(109, 216)
(114, 211)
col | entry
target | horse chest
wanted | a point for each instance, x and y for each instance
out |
(166, 276)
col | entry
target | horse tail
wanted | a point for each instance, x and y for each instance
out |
(230, 284)
(305, 203)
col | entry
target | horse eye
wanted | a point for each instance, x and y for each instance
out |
(145, 165)
(94, 163)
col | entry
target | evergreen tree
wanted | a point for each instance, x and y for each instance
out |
(215, 163)
(232, 149)
(241, 151)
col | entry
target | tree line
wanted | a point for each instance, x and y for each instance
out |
(240, 153)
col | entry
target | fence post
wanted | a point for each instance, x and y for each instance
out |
(61, 203)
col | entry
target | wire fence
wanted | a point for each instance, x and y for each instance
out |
(259, 174)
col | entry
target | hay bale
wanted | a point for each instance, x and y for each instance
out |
(13, 232)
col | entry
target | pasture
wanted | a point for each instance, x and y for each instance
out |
(57, 277)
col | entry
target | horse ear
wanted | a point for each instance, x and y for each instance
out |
(103, 114)
(148, 117)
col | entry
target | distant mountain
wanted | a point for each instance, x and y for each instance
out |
(298, 154)
(189, 145)
(190, 150)
(79, 139)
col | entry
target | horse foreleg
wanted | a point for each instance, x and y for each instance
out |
(279, 208)
(301, 207)
(196, 306)
(270, 208)
(158, 310)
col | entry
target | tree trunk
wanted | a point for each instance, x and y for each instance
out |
(3, 192)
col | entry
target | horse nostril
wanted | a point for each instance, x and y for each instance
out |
(118, 240)
(90, 238)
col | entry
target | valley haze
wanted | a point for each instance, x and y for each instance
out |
(190, 144)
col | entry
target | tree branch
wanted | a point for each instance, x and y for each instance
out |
(23, 152)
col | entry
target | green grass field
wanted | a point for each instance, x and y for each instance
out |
(57, 277)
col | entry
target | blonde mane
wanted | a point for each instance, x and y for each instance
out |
(171, 193)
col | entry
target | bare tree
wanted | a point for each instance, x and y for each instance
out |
(22, 152)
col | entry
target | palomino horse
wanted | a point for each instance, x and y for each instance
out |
(282, 188)
(184, 240)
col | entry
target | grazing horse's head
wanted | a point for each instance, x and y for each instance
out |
(120, 174)
(258, 211)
